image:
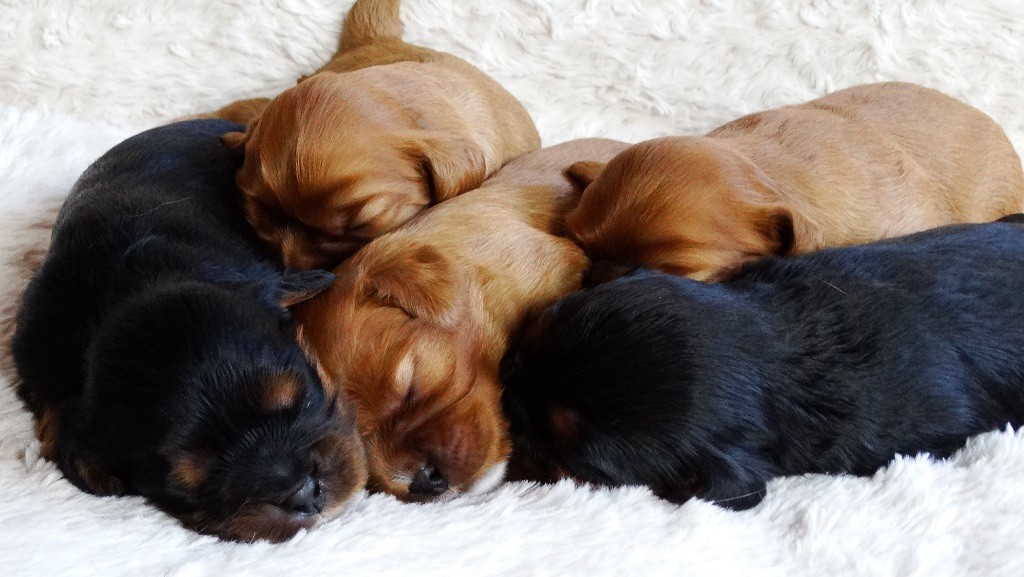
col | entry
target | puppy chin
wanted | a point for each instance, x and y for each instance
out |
(486, 483)
(252, 523)
(489, 480)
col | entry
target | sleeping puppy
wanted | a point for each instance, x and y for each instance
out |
(858, 165)
(418, 320)
(158, 357)
(383, 131)
(832, 362)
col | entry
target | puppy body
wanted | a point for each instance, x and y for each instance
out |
(156, 353)
(832, 362)
(858, 165)
(417, 323)
(381, 132)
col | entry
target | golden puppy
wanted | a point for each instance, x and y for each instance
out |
(418, 320)
(381, 132)
(858, 165)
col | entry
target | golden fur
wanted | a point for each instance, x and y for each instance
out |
(416, 324)
(858, 165)
(382, 131)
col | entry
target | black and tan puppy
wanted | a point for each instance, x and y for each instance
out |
(158, 357)
(833, 362)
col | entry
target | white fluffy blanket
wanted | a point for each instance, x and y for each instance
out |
(77, 76)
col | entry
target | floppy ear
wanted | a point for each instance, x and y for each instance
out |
(776, 227)
(235, 141)
(584, 172)
(298, 286)
(452, 163)
(762, 207)
(422, 282)
(770, 233)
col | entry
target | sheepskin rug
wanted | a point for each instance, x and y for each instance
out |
(77, 76)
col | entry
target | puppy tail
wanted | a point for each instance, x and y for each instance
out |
(370, 21)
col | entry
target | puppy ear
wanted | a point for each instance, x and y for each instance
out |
(235, 142)
(298, 286)
(422, 282)
(759, 202)
(452, 163)
(776, 227)
(584, 172)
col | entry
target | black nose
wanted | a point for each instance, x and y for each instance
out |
(428, 481)
(308, 499)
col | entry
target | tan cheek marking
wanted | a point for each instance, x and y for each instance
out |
(281, 393)
(190, 470)
(48, 434)
(564, 424)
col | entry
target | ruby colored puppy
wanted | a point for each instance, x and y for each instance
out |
(419, 318)
(383, 131)
(858, 165)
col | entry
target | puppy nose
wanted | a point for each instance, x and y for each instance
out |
(308, 499)
(428, 482)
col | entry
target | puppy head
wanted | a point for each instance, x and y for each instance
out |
(606, 387)
(199, 399)
(329, 166)
(399, 332)
(688, 206)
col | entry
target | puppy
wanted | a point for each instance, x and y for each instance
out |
(858, 165)
(832, 362)
(383, 131)
(158, 357)
(418, 320)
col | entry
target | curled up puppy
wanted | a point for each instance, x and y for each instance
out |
(832, 362)
(861, 164)
(157, 354)
(383, 131)
(419, 318)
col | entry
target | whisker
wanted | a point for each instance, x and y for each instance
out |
(758, 492)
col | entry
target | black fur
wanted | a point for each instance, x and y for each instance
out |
(832, 362)
(152, 332)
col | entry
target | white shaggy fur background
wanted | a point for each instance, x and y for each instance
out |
(77, 76)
